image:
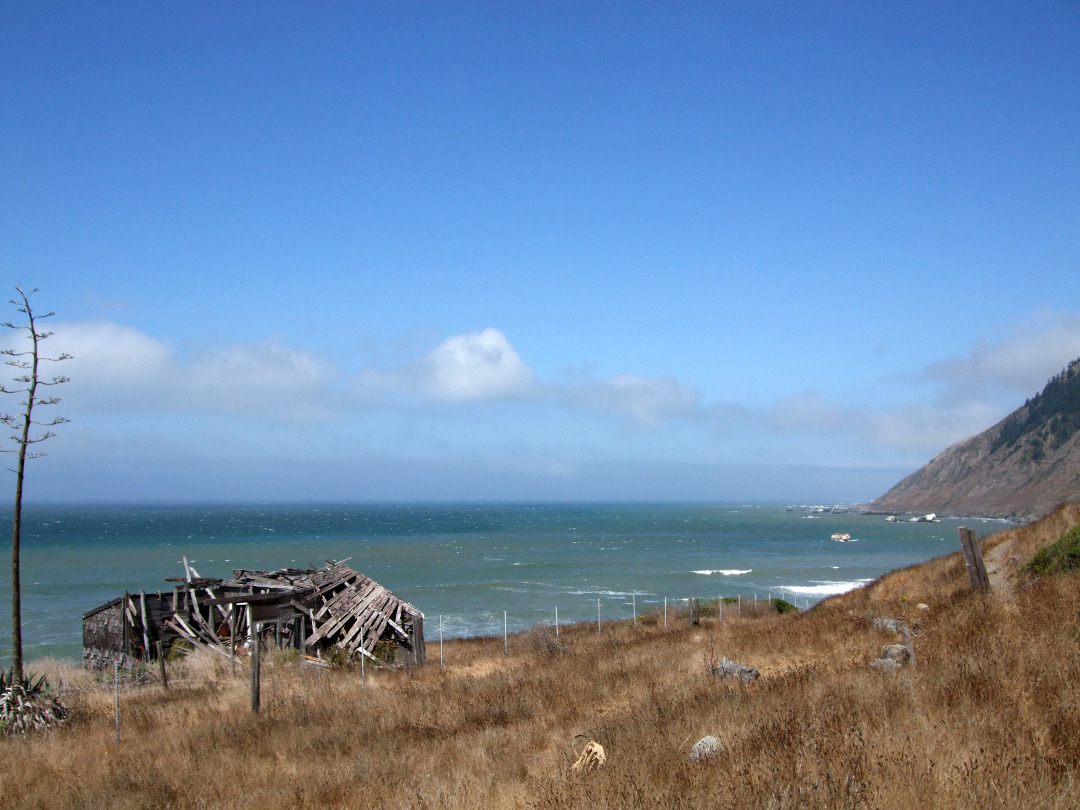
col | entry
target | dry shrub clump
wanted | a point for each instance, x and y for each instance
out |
(988, 718)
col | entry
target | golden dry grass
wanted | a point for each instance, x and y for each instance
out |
(990, 717)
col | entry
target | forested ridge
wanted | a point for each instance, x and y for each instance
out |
(1050, 418)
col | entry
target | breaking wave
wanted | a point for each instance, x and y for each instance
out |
(727, 572)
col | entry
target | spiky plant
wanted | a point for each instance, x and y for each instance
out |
(28, 704)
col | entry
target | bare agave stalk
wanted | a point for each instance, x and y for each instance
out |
(27, 362)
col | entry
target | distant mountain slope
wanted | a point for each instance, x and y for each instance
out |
(1021, 467)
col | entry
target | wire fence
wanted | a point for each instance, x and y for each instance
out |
(655, 612)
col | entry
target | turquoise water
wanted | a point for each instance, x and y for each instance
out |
(466, 563)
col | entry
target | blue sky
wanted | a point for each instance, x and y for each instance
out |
(537, 251)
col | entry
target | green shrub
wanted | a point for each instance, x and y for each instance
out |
(783, 606)
(385, 650)
(178, 650)
(337, 658)
(1062, 555)
(285, 656)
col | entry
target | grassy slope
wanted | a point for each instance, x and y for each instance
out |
(990, 718)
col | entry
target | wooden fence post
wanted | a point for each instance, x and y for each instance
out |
(145, 626)
(973, 559)
(161, 663)
(254, 630)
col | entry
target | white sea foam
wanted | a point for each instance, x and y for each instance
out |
(727, 572)
(597, 592)
(825, 588)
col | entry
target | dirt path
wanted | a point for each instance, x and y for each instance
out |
(1002, 566)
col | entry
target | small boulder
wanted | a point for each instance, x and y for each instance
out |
(733, 669)
(922, 606)
(896, 652)
(704, 748)
(884, 665)
(888, 625)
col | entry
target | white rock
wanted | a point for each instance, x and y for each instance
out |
(705, 748)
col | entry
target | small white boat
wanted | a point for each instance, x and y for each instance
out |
(842, 537)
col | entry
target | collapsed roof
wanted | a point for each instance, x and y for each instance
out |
(318, 611)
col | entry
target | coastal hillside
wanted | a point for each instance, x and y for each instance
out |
(984, 715)
(1022, 467)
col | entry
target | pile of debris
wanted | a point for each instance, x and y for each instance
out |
(326, 611)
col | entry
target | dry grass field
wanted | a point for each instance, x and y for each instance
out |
(990, 717)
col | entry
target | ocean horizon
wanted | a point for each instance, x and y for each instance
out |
(466, 566)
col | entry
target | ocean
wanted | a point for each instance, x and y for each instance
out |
(467, 564)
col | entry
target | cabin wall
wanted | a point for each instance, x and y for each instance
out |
(413, 653)
(103, 636)
(111, 633)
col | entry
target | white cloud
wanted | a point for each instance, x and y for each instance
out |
(809, 412)
(473, 367)
(120, 369)
(919, 428)
(928, 429)
(262, 377)
(107, 354)
(645, 399)
(476, 366)
(122, 372)
(972, 391)
(1020, 363)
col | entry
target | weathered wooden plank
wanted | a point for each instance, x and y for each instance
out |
(322, 585)
(365, 605)
(358, 608)
(253, 625)
(398, 629)
(213, 603)
(973, 559)
(183, 627)
(196, 613)
(357, 629)
(346, 608)
(196, 642)
(145, 624)
(343, 599)
(377, 621)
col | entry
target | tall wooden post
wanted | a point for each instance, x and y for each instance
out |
(145, 625)
(973, 559)
(124, 620)
(254, 631)
(161, 664)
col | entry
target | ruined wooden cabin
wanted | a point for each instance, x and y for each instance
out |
(331, 611)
